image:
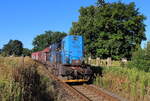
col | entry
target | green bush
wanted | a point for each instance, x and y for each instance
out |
(141, 59)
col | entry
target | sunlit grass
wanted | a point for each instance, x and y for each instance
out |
(130, 83)
(21, 77)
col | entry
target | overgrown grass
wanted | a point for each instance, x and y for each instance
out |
(21, 80)
(129, 83)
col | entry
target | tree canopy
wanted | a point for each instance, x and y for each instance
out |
(0, 51)
(26, 52)
(111, 30)
(44, 40)
(13, 47)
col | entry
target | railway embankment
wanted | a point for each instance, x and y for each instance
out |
(23, 80)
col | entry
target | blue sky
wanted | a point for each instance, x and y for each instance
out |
(24, 19)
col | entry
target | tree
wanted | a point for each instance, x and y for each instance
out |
(147, 53)
(141, 59)
(13, 47)
(26, 52)
(114, 30)
(44, 40)
(0, 51)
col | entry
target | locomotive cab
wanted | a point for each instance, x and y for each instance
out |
(72, 50)
(67, 59)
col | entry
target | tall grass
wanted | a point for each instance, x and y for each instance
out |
(21, 81)
(130, 83)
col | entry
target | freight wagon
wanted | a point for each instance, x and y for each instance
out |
(42, 56)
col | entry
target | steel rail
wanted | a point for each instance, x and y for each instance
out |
(101, 93)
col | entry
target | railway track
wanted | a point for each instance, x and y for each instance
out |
(94, 94)
(83, 92)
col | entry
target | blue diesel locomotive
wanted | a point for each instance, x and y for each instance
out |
(66, 58)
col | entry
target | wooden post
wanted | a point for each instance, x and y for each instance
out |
(89, 60)
(97, 61)
(109, 62)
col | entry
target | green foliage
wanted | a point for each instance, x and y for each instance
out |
(141, 59)
(26, 52)
(13, 47)
(111, 30)
(44, 40)
(130, 83)
(0, 51)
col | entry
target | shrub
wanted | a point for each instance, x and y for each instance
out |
(141, 59)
